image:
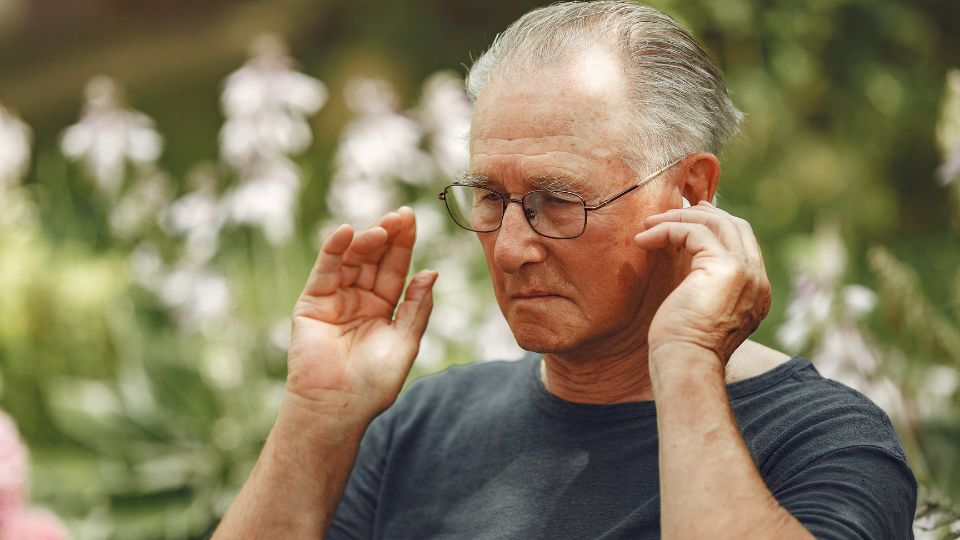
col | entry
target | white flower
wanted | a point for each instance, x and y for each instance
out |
(829, 256)
(843, 347)
(266, 199)
(949, 171)
(948, 129)
(266, 103)
(809, 308)
(445, 113)
(199, 215)
(15, 137)
(109, 136)
(198, 295)
(858, 300)
(819, 301)
(377, 148)
(382, 147)
(431, 217)
(939, 385)
(360, 202)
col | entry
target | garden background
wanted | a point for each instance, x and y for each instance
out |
(168, 168)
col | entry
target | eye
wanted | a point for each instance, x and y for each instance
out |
(557, 200)
(490, 196)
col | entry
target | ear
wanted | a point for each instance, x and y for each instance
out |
(700, 177)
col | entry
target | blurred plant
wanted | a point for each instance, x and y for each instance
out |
(194, 333)
(826, 317)
(266, 104)
(18, 521)
(14, 149)
(15, 138)
(830, 319)
(378, 147)
(108, 137)
(948, 131)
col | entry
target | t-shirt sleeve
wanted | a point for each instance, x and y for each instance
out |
(854, 492)
(354, 518)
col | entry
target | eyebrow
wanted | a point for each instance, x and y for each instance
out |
(556, 183)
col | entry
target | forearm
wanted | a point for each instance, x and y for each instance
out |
(709, 485)
(298, 480)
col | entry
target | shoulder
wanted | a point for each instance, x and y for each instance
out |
(792, 416)
(752, 359)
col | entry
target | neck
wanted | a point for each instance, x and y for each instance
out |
(611, 379)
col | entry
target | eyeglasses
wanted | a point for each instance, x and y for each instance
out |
(551, 213)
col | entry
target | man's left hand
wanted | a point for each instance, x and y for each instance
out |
(726, 294)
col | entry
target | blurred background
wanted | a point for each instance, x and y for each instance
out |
(167, 170)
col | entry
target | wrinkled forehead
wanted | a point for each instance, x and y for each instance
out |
(579, 98)
(559, 122)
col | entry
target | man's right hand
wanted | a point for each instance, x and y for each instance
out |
(348, 352)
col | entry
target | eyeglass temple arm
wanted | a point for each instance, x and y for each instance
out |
(646, 179)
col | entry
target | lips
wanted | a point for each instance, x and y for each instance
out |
(526, 295)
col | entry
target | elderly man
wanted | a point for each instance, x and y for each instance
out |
(645, 410)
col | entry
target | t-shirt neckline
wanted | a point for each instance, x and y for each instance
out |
(594, 413)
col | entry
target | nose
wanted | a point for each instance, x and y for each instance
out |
(517, 243)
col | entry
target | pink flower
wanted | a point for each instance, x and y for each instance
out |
(33, 524)
(13, 467)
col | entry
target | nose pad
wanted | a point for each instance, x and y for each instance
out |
(531, 214)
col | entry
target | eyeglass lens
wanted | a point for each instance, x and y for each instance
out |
(551, 213)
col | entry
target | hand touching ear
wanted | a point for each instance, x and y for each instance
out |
(726, 294)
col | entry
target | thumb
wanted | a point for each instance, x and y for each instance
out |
(417, 304)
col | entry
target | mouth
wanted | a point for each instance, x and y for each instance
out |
(535, 295)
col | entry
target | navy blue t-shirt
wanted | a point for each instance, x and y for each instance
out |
(484, 451)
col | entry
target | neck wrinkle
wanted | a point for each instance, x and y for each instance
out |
(600, 381)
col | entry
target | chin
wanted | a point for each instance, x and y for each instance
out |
(540, 339)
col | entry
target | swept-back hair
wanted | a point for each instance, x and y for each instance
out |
(678, 96)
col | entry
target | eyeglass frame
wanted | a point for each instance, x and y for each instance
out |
(586, 208)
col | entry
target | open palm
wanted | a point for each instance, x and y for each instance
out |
(347, 346)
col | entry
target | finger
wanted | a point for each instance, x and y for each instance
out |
(751, 247)
(362, 263)
(694, 238)
(395, 264)
(325, 276)
(750, 242)
(414, 311)
(721, 223)
(361, 258)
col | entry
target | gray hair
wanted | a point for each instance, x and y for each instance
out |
(680, 98)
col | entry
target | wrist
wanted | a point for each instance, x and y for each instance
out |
(682, 360)
(331, 420)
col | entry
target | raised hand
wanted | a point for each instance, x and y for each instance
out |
(726, 294)
(351, 346)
